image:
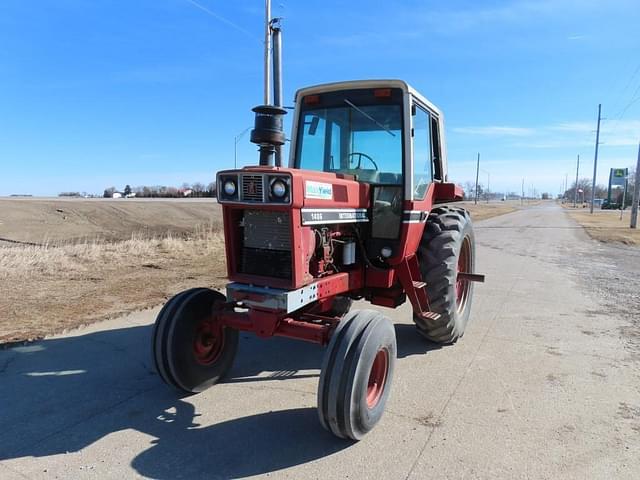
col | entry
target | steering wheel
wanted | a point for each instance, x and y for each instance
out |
(360, 155)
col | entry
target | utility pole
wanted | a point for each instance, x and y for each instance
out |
(575, 190)
(522, 195)
(566, 185)
(595, 160)
(636, 194)
(477, 173)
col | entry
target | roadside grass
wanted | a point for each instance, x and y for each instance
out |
(51, 288)
(606, 226)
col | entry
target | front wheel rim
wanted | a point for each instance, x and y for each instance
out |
(208, 342)
(377, 378)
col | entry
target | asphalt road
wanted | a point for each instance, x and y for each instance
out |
(545, 384)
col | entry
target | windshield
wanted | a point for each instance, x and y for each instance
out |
(353, 133)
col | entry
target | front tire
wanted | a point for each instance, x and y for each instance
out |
(447, 247)
(191, 350)
(357, 372)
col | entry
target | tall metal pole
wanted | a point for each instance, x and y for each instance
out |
(595, 160)
(277, 76)
(575, 190)
(636, 194)
(267, 52)
(522, 195)
(477, 173)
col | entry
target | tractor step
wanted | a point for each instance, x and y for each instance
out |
(470, 277)
(431, 316)
(417, 285)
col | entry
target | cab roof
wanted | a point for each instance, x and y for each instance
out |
(355, 84)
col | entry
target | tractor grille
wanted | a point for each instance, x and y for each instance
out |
(252, 188)
(266, 244)
(268, 230)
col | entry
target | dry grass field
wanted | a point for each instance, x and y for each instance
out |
(47, 289)
(606, 226)
(65, 263)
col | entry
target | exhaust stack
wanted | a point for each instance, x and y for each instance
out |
(268, 131)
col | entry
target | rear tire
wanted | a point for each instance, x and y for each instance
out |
(447, 246)
(357, 372)
(191, 350)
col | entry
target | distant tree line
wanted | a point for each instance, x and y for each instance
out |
(484, 194)
(196, 189)
(77, 194)
(584, 184)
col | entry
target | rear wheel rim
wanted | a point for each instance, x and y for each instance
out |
(464, 266)
(377, 378)
(208, 342)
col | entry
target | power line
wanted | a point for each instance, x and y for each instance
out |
(631, 78)
(223, 19)
(634, 96)
(633, 100)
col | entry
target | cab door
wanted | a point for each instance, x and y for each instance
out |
(424, 151)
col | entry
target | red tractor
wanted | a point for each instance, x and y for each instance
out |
(354, 216)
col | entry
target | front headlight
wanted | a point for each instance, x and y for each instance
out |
(278, 188)
(230, 188)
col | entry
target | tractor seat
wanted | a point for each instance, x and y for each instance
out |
(372, 176)
(363, 175)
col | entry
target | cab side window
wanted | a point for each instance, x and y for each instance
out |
(435, 144)
(422, 153)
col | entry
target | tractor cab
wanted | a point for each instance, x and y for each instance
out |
(380, 132)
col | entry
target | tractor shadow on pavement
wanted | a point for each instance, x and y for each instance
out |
(410, 342)
(62, 395)
(236, 448)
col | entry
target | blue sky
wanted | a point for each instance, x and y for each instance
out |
(98, 93)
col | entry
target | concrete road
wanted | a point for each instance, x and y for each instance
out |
(545, 384)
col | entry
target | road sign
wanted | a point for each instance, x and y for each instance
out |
(617, 179)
